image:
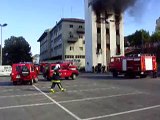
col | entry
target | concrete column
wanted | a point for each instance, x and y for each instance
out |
(88, 37)
(122, 35)
(103, 39)
(112, 28)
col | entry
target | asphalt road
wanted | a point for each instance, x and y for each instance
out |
(89, 97)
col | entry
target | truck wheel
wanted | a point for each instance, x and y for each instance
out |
(48, 79)
(66, 78)
(31, 82)
(154, 74)
(115, 74)
(35, 80)
(143, 76)
(14, 82)
(132, 75)
(74, 76)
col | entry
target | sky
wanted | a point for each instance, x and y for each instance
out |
(30, 18)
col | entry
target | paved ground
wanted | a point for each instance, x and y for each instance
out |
(89, 97)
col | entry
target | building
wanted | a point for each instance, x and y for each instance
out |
(64, 42)
(103, 33)
(36, 59)
(45, 47)
(157, 24)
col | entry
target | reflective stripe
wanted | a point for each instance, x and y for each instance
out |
(56, 81)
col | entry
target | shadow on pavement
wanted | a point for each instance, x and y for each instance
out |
(5, 83)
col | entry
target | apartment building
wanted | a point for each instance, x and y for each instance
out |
(64, 42)
(45, 45)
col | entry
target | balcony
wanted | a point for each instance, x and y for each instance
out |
(72, 39)
(80, 30)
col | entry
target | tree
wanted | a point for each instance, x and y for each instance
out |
(139, 38)
(155, 37)
(16, 49)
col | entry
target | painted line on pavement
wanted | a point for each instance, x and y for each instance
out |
(76, 85)
(28, 105)
(85, 90)
(93, 89)
(65, 109)
(69, 91)
(103, 97)
(122, 113)
(25, 95)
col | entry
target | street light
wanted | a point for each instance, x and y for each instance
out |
(1, 25)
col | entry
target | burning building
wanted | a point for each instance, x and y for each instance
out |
(104, 35)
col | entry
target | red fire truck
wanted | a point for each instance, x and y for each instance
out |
(67, 70)
(24, 72)
(135, 65)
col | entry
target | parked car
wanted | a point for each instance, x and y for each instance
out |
(66, 71)
(24, 72)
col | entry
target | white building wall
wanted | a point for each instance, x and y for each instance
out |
(77, 45)
(122, 35)
(89, 15)
(112, 28)
(92, 58)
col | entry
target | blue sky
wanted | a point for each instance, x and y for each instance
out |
(29, 18)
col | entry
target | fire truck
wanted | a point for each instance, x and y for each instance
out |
(67, 70)
(132, 66)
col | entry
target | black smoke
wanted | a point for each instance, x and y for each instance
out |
(111, 5)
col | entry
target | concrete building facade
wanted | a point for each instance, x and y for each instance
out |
(157, 24)
(64, 42)
(103, 35)
(45, 45)
(35, 59)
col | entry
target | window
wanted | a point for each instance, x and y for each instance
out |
(80, 26)
(98, 30)
(81, 48)
(71, 26)
(25, 69)
(83, 41)
(107, 30)
(71, 36)
(52, 68)
(118, 50)
(69, 56)
(71, 48)
(80, 36)
(79, 56)
(60, 27)
(117, 32)
(18, 68)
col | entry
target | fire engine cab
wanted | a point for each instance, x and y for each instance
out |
(135, 65)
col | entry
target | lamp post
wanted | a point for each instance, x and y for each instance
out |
(1, 25)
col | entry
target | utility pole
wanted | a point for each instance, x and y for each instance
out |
(1, 25)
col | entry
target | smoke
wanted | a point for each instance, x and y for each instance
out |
(111, 5)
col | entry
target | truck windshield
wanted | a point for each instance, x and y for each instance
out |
(25, 69)
(18, 68)
(52, 68)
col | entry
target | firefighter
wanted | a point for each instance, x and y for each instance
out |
(56, 79)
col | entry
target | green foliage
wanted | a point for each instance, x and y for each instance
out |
(138, 38)
(155, 36)
(16, 49)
